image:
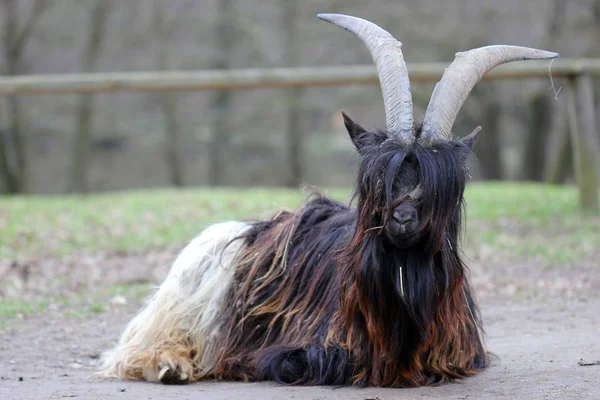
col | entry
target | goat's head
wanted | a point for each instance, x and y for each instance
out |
(412, 175)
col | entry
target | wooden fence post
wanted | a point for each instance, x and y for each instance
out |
(582, 126)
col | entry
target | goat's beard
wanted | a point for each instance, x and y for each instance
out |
(378, 258)
(401, 292)
(394, 296)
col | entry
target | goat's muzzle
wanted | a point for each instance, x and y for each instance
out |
(403, 222)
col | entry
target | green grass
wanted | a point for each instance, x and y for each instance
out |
(12, 307)
(140, 220)
(124, 222)
(516, 221)
(537, 221)
(80, 305)
(530, 202)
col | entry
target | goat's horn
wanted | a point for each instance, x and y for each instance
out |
(391, 69)
(459, 79)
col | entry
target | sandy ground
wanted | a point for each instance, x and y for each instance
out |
(538, 343)
(540, 322)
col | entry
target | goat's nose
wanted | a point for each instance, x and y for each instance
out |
(404, 217)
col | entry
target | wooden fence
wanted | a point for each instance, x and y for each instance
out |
(576, 75)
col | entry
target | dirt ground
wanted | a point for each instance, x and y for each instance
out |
(541, 323)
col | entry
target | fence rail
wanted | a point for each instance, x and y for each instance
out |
(577, 73)
(243, 79)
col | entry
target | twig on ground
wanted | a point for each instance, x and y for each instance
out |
(582, 363)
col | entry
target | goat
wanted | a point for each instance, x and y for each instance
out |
(374, 294)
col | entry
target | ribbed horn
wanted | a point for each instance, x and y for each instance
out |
(391, 69)
(459, 79)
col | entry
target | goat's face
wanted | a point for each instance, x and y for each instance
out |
(396, 193)
(409, 194)
(407, 159)
(401, 220)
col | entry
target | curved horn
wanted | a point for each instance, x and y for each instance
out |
(459, 79)
(391, 69)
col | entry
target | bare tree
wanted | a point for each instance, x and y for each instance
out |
(560, 157)
(488, 116)
(221, 103)
(294, 97)
(538, 123)
(163, 31)
(13, 139)
(542, 107)
(84, 122)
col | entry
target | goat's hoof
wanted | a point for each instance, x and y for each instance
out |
(172, 376)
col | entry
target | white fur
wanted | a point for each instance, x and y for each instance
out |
(178, 327)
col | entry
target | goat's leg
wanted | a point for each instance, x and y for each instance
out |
(307, 365)
(172, 340)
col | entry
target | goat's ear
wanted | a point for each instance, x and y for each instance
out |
(470, 140)
(356, 132)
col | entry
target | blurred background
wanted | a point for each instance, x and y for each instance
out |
(275, 137)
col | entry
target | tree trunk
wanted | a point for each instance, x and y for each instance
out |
(489, 150)
(15, 140)
(81, 147)
(560, 159)
(538, 129)
(18, 128)
(85, 113)
(7, 170)
(222, 99)
(294, 99)
(173, 140)
(168, 101)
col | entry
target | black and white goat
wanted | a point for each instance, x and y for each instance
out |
(370, 294)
